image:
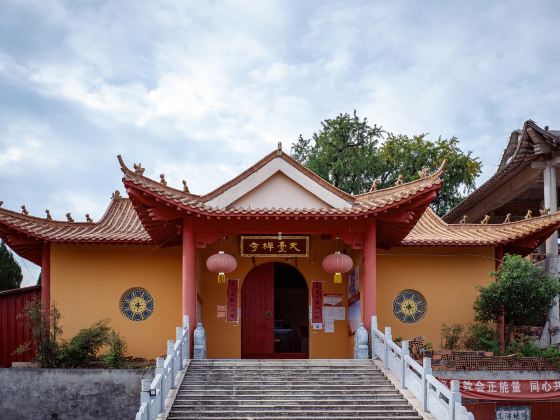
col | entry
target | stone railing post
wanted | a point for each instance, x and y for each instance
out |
(170, 344)
(361, 350)
(373, 336)
(159, 371)
(387, 349)
(405, 352)
(427, 370)
(145, 397)
(186, 341)
(455, 398)
(199, 342)
(179, 338)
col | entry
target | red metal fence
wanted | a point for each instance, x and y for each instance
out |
(12, 330)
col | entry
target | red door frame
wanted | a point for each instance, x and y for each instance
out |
(257, 316)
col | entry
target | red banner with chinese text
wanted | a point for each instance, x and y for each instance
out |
(317, 302)
(542, 389)
(231, 303)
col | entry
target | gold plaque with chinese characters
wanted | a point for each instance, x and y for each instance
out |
(274, 246)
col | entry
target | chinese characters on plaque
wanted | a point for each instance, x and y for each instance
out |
(274, 246)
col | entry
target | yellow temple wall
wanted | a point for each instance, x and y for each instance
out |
(224, 338)
(87, 282)
(447, 277)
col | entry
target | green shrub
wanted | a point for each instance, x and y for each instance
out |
(45, 330)
(83, 348)
(451, 336)
(481, 337)
(116, 355)
(522, 291)
(528, 348)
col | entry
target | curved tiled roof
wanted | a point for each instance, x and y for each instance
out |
(517, 154)
(431, 230)
(25, 234)
(368, 203)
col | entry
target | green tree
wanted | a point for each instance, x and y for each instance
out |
(350, 153)
(523, 290)
(10, 271)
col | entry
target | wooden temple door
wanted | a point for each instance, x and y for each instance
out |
(257, 313)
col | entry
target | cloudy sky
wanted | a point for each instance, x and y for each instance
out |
(201, 90)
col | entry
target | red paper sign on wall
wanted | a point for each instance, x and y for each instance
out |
(317, 302)
(231, 304)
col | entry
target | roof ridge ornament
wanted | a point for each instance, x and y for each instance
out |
(485, 220)
(162, 180)
(544, 211)
(463, 220)
(1, 202)
(399, 180)
(529, 214)
(508, 218)
(116, 195)
(186, 187)
(424, 172)
(374, 185)
(69, 217)
(88, 218)
(49, 217)
(138, 168)
(279, 149)
(24, 210)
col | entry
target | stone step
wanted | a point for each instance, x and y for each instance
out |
(272, 381)
(291, 407)
(294, 389)
(251, 414)
(206, 395)
(280, 386)
(180, 401)
(317, 416)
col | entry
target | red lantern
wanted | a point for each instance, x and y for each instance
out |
(337, 264)
(221, 263)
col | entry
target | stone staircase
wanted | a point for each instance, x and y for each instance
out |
(288, 389)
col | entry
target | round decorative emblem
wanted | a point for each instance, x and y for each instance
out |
(137, 304)
(409, 306)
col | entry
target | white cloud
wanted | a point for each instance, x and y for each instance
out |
(203, 90)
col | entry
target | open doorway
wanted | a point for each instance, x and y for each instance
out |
(291, 311)
(274, 313)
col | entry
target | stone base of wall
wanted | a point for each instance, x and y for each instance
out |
(31, 393)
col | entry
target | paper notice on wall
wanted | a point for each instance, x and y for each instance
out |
(329, 325)
(333, 313)
(317, 325)
(220, 311)
(332, 299)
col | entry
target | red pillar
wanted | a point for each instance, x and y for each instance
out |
(189, 275)
(369, 286)
(46, 276)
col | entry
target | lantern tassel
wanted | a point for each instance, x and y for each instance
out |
(337, 278)
(221, 278)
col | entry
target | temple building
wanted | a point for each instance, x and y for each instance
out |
(276, 263)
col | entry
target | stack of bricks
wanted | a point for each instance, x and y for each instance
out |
(477, 360)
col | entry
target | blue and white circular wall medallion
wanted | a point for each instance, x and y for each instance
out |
(137, 304)
(409, 306)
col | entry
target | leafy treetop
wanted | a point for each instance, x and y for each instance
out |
(350, 153)
(523, 290)
(10, 271)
